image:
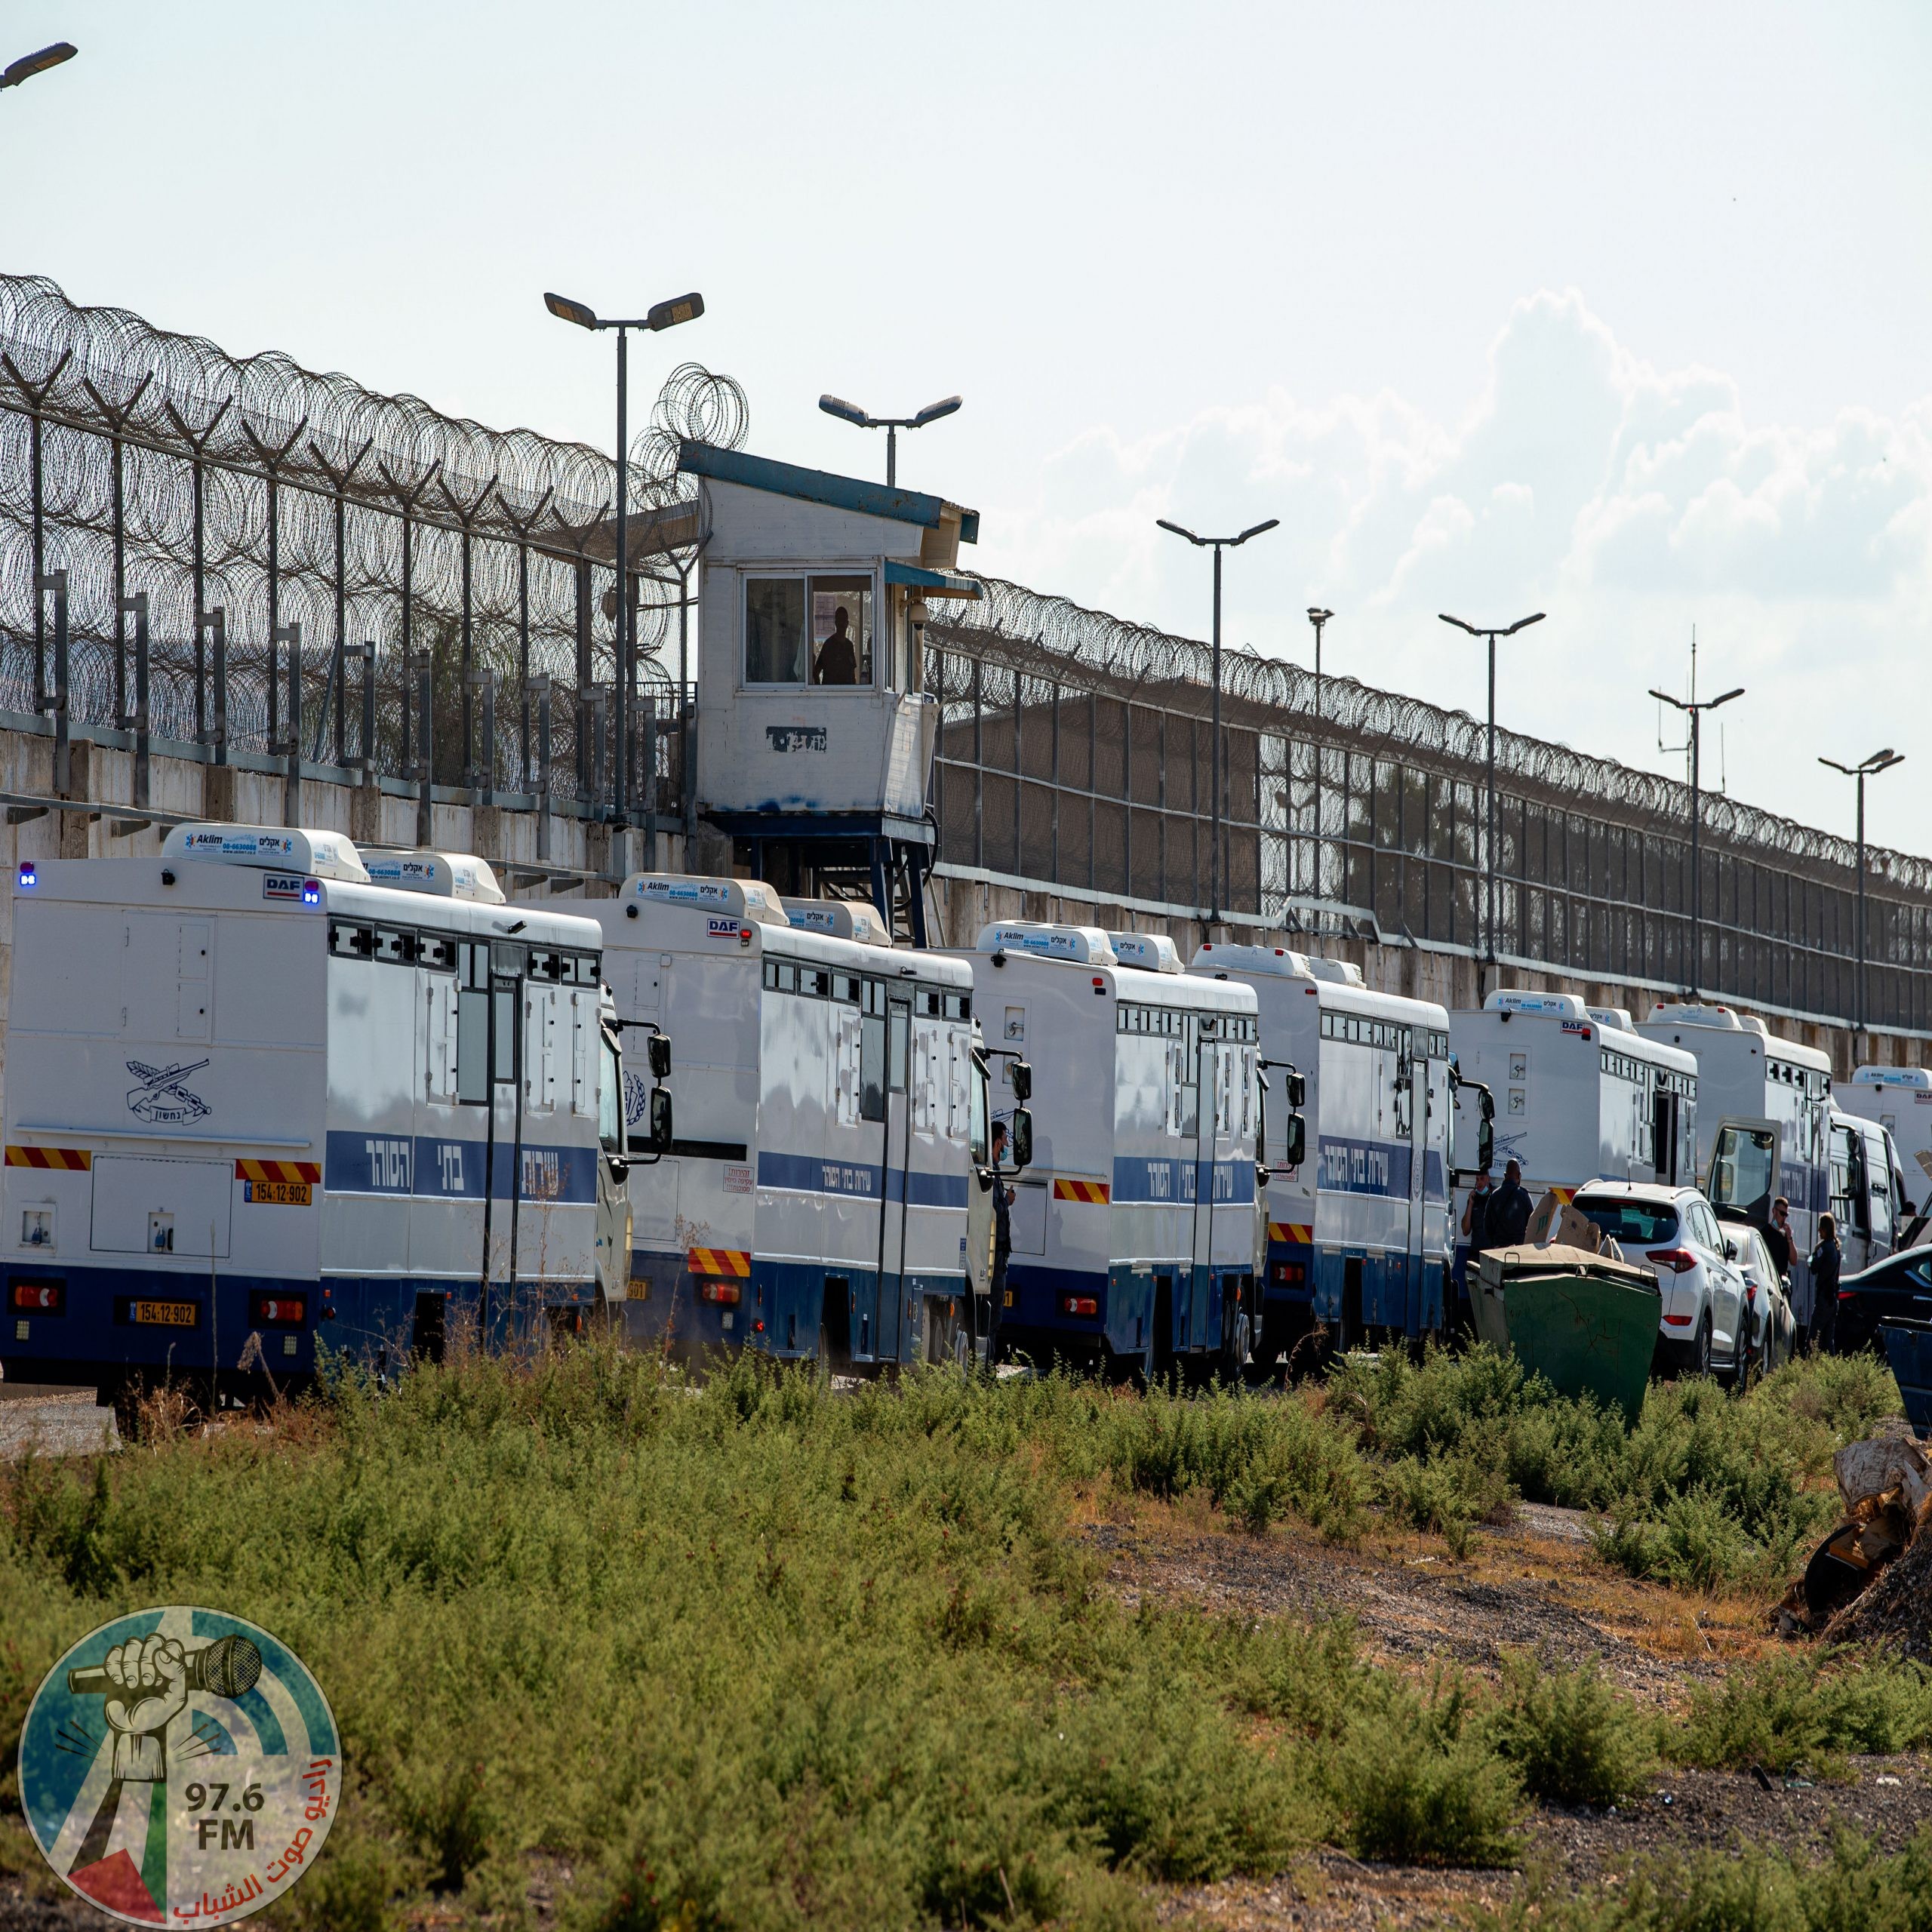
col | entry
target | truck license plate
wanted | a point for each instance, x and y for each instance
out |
(167, 1313)
(278, 1193)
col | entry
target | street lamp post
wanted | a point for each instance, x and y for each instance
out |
(1870, 767)
(662, 316)
(29, 65)
(1694, 709)
(850, 412)
(1217, 545)
(1492, 632)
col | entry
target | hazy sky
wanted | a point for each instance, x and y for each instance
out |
(1623, 313)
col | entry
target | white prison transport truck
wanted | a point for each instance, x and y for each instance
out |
(254, 1100)
(1580, 1094)
(1898, 1099)
(1764, 1122)
(831, 1120)
(1138, 1232)
(1358, 1235)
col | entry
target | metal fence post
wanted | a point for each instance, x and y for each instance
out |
(483, 682)
(539, 688)
(426, 727)
(55, 582)
(138, 605)
(215, 623)
(291, 634)
(368, 758)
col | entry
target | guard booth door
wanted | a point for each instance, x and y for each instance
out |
(895, 1156)
(490, 1074)
(1417, 1075)
(1209, 1111)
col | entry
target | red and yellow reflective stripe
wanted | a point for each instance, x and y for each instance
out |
(1290, 1230)
(1066, 1190)
(720, 1261)
(76, 1160)
(1564, 1195)
(277, 1170)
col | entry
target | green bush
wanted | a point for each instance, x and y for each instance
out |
(1806, 1712)
(1572, 1739)
(1415, 1782)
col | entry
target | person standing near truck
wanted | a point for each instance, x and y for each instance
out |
(1002, 1237)
(1506, 1215)
(1825, 1260)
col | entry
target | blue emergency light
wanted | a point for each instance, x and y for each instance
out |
(28, 877)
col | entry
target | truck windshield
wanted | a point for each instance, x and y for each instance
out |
(1633, 1223)
(1744, 1169)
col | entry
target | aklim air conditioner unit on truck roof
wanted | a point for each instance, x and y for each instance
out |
(1276, 961)
(1151, 952)
(446, 874)
(749, 898)
(839, 918)
(269, 848)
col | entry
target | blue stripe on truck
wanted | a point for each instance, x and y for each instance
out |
(440, 1168)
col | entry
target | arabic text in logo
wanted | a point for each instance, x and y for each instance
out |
(161, 1099)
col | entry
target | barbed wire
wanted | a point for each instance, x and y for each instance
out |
(1049, 637)
(160, 456)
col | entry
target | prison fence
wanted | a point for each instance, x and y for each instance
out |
(1074, 751)
(246, 556)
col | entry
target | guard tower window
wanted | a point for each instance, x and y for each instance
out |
(841, 630)
(775, 631)
(808, 630)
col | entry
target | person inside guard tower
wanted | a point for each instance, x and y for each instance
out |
(838, 660)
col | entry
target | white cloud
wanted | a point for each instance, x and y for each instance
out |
(1627, 502)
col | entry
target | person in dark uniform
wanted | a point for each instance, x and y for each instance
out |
(838, 660)
(1475, 1216)
(1002, 1237)
(1507, 1216)
(1777, 1236)
(1826, 1259)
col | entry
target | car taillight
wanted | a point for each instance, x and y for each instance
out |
(1079, 1305)
(1847, 1294)
(1678, 1260)
(40, 1297)
(720, 1294)
(281, 1311)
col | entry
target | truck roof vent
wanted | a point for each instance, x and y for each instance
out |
(1276, 961)
(443, 874)
(270, 849)
(1681, 1013)
(736, 898)
(1151, 952)
(1616, 1019)
(839, 918)
(1337, 972)
(1088, 945)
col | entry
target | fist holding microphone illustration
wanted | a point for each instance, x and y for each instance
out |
(146, 1681)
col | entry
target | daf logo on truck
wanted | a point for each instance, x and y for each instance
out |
(161, 1099)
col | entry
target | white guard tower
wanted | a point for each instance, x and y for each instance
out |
(815, 740)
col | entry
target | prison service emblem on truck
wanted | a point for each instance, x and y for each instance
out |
(180, 1767)
(161, 1099)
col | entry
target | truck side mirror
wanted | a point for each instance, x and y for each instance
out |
(661, 1120)
(1295, 1150)
(1022, 1138)
(1295, 1088)
(1022, 1084)
(660, 1051)
(1485, 1143)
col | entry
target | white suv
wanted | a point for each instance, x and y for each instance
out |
(1675, 1230)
